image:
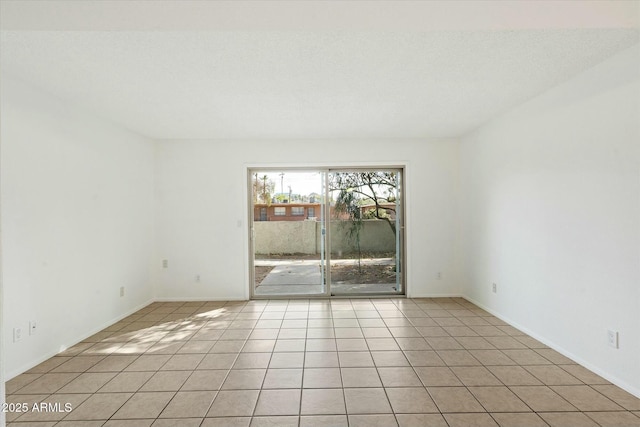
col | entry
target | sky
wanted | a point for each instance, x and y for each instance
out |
(302, 183)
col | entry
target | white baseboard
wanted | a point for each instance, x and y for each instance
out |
(611, 378)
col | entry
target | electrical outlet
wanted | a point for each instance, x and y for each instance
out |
(494, 288)
(17, 334)
(612, 338)
(439, 275)
(197, 278)
(165, 263)
(121, 291)
(33, 327)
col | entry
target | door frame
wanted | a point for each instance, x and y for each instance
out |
(326, 169)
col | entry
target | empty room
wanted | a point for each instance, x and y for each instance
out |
(319, 213)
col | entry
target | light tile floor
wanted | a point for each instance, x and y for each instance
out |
(342, 362)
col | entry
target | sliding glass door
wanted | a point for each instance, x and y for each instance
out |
(325, 232)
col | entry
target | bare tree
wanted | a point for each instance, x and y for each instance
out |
(356, 190)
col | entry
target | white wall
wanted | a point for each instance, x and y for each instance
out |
(77, 223)
(202, 209)
(550, 212)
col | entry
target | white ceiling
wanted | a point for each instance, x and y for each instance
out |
(306, 69)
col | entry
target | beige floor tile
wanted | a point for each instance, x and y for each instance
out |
(349, 333)
(421, 420)
(413, 344)
(173, 422)
(443, 343)
(525, 357)
(252, 361)
(584, 375)
(217, 361)
(88, 382)
(287, 360)
(205, 380)
(113, 363)
(283, 378)
(322, 378)
(244, 379)
(423, 358)
(360, 377)
(345, 322)
(320, 333)
(376, 332)
(275, 421)
(389, 359)
(144, 405)
(457, 358)
(355, 359)
(235, 334)
(187, 404)
(372, 323)
(48, 383)
(475, 376)
(492, 357)
(586, 399)
(164, 348)
(264, 334)
(148, 362)
(434, 332)
(436, 376)
(513, 375)
(183, 362)
(476, 343)
(411, 400)
(615, 419)
(460, 331)
(320, 359)
(470, 420)
(100, 406)
(196, 347)
(129, 423)
(454, 399)
(12, 386)
(505, 342)
(498, 399)
(351, 344)
(621, 397)
(552, 355)
(259, 346)
(399, 377)
(289, 345)
(366, 401)
(321, 344)
(324, 421)
(227, 347)
(567, 419)
(278, 402)
(542, 399)
(233, 403)
(126, 382)
(372, 421)
(166, 381)
(322, 402)
(518, 420)
(292, 333)
(382, 344)
(552, 375)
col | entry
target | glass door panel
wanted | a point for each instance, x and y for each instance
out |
(366, 231)
(288, 232)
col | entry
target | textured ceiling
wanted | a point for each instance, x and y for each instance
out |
(304, 84)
